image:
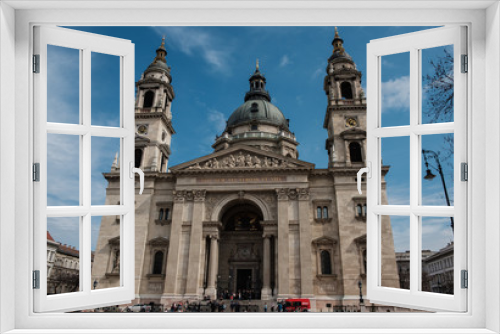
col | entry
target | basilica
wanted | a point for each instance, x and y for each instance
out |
(251, 216)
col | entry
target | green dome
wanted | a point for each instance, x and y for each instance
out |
(260, 110)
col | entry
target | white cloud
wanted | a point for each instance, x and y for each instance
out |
(196, 41)
(285, 60)
(317, 73)
(217, 120)
(396, 94)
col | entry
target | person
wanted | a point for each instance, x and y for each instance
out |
(280, 307)
(232, 305)
(265, 307)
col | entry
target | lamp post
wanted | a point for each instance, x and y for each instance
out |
(361, 302)
(429, 176)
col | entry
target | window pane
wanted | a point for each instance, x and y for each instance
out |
(105, 170)
(63, 85)
(395, 264)
(105, 90)
(395, 89)
(105, 252)
(396, 168)
(437, 170)
(63, 170)
(63, 256)
(437, 254)
(437, 84)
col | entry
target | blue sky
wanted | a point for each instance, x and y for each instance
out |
(210, 70)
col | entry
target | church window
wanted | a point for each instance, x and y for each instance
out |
(254, 127)
(359, 211)
(160, 217)
(148, 99)
(167, 214)
(355, 152)
(158, 263)
(325, 212)
(318, 212)
(346, 90)
(138, 157)
(364, 210)
(326, 263)
(163, 161)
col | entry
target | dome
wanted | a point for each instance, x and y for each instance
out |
(260, 110)
(155, 66)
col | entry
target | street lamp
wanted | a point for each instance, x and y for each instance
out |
(429, 176)
(361, 302)
(95, 283)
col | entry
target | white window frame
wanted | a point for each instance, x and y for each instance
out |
(85, 43)
(413, 43)
(483, 19)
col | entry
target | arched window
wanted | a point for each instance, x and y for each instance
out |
(364, 210)
(358, 210)
(325, 212)
(167, 214)
(138, 158)
(160, 217)
(346, 90)
(163, 160)
(148, 99)
(355, 151)
(326, 263)
(318, 212)
(158, 263)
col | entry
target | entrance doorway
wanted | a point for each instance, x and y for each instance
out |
(243, 279)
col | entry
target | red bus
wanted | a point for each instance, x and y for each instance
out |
(297, 305)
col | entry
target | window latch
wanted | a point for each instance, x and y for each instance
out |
(141, 176)
(368, 171)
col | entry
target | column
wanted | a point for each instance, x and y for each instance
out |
(214, 252)
(283, 244)
(276, 276)
(171, 289)
(266, 289)
(306, 286)
(195, 242)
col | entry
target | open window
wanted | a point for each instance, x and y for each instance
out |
(418, 130)
(68, 134)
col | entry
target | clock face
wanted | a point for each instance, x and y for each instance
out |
(142, 129)
(351, 122)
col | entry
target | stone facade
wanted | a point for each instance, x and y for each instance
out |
(251, 215)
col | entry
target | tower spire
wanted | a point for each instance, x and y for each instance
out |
(257, 64)
(161, 52)
(114, 166)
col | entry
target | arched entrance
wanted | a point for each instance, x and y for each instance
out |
(240, 253)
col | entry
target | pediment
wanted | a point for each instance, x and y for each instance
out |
(114, 241)
(353, 133)
(324, 241)
(159, 241)
(242, 157)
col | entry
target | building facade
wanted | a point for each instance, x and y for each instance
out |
(63, 267)
(250, 217)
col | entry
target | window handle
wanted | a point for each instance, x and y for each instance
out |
(141, 176)
(368, 171)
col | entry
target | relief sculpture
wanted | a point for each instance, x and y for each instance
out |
(243, 161)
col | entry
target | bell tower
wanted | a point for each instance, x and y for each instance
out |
(345, 117)
(153, 116)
